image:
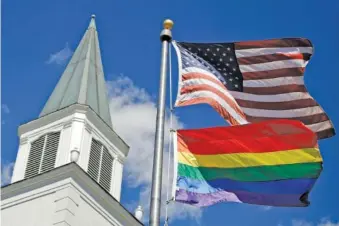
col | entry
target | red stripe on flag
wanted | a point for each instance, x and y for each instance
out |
(273, 43)
(275, 89)
(309, 119)
(286, 105)
(273, 57)
(268, 136)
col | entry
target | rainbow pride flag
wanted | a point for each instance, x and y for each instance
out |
(274, 163)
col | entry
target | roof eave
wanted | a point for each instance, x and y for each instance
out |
(91, 116)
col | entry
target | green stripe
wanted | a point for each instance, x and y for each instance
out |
(258, 173)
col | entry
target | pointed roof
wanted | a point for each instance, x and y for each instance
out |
(83, 80)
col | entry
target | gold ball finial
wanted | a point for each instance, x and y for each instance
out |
(168, 24)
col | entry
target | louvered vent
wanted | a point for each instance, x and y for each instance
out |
(94, 159)
(42, 154)
(100, 164)
(50, 152)
(106, 169)
(34, 157)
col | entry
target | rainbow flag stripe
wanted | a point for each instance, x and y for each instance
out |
(273, 163)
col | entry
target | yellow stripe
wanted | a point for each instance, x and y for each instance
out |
(238, 160)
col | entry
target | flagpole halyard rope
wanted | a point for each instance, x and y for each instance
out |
(171, 129)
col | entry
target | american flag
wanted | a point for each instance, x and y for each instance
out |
(251, 81)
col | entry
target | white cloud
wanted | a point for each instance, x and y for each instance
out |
(61, 56)
(327, 222)
(300, 223)
(5, 108)
(266, 208)
(323, 222)
(6, 173)
(134, 114)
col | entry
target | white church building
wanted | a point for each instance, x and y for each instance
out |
(69, 166)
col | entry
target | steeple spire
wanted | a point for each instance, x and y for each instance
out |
(75, 125)
(83, 79)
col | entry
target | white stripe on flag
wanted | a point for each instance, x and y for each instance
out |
(273, 65)
(273, 82)
(271, 98)
(317, 127)
(292, 113)
(265, 51)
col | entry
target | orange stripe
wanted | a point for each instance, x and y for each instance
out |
(245, 159)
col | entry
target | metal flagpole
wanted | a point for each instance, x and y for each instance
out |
(154, 220)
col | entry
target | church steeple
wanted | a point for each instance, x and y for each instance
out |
(75, 122)
(83, 79)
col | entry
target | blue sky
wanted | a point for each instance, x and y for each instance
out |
(39, 36)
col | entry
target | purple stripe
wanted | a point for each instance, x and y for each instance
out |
(200, 200)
